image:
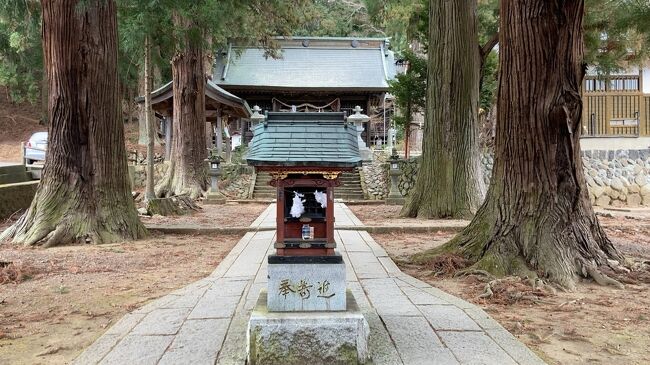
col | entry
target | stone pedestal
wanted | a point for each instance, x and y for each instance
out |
(306, 283)
(394, 196)
(215, 198)
(364, 151)
(315, 338)
(395, 200)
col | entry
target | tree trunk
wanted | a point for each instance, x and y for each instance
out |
(186, 174)
(537, 215)
(148, 80)
(84, 194)
(449, 182)
(142, 114)
(407, 131)
(44, 97)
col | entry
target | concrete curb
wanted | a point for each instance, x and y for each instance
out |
(370, 229)
(205, 230)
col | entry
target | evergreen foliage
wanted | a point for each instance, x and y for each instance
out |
(409, 89)
(21, 53)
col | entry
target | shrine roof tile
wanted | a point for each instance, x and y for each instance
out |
(341, 68)
(302, 139)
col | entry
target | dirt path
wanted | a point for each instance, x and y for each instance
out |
(591, 325)
(73, 294)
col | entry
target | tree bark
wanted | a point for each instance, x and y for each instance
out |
(148, 81)
(186, 174)
(142, 114)
(537, 218)
(449, 182)
(84, 194)
(407, 131)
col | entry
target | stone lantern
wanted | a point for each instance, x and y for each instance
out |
(394, 196)
(256, 118)
(214, 171)
(358, 119)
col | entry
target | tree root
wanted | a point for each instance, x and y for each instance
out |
(601, 278)
(176, 205)
(477, 272)
(487, 291)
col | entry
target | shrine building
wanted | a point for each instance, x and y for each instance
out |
(320, 74)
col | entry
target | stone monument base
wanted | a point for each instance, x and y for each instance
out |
(395, 200)
(215, 198)
(306, 283)
(315, 338)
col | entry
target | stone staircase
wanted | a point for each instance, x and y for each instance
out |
(350, 188)
(262, 190)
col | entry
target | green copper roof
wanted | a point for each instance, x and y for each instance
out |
(304, 139)
(323, 68)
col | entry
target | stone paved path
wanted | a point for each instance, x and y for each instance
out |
(411, 322)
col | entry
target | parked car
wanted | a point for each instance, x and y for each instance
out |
(35, 148)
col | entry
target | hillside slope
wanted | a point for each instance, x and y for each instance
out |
(17, 123)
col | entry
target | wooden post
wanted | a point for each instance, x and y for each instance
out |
(219, 133)
(208, 135)
(229, 145)
(22, 153)
(609, 102)
(168, 136)
(279, 219)
(329, 216)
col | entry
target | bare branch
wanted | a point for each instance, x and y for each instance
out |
(488, 46)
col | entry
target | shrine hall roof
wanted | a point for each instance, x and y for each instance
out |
(309, 64)
(304, 139)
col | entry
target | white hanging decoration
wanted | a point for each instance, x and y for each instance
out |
(297, 208)
(321, 197)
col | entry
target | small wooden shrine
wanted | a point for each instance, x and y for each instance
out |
(305, 153)
(306, 303)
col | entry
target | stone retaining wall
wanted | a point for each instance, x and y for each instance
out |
(17, 196)
(235, 179)
(614, 178)
(618, 178)
(375, 180)
(139, 178)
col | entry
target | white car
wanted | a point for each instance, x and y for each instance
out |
(35, 148)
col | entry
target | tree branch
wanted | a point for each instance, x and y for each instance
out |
(488, 46)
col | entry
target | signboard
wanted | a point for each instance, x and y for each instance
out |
(624, 122)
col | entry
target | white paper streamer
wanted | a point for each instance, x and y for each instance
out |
(297, 208)
(321, 197)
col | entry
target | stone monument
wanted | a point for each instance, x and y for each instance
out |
(306, 315)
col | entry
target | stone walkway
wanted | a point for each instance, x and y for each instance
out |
(410, 321)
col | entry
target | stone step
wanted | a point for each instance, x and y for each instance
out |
(350, 188)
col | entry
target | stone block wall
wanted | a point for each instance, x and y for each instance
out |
(619, 178)
(236, 180)
(234, 183)
(409, 169)
(375, 180)
(16, 196)
(139, 178)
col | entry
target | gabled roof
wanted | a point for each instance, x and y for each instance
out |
(304, 139)
(362, 64)
(214, 94)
